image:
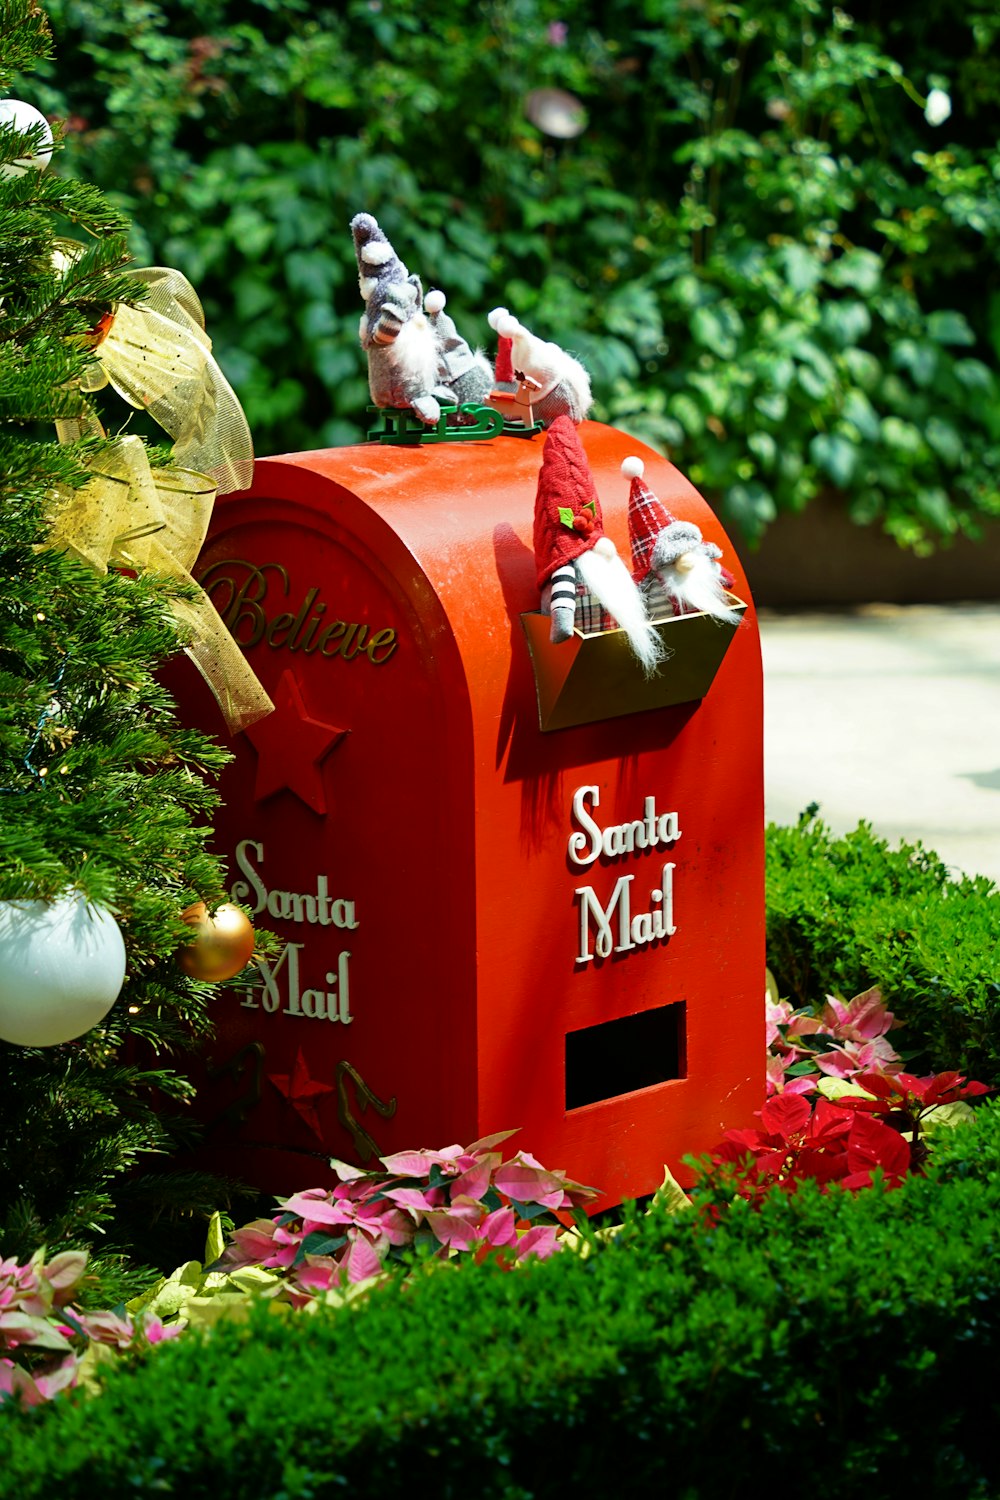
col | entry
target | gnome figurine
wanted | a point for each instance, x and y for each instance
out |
(555, 383)
(461, 374)
(671, 562)
(395, 334)
(572, 553)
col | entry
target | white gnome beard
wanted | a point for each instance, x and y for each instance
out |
(611, 583)
(699, 589)
(549, 366)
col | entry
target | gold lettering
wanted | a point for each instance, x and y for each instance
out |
(349, 650)
(245, 603)
(383, 638)
(307, 643)
(332, 633)
(278, 626)
(239, 589)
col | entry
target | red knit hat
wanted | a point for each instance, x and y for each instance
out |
(647, 517)
(503, 370)
(568, 518)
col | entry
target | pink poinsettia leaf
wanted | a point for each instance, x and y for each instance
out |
(452, 1230)
(63, 1271)
(475, 1182)
(499, 1227)
(362, 1261)
(346, 1172)
(488, 1142)
(315, 1210)
(108, 1328)
(155, 1331)
(541, 1240)
(528, 1183)
(412, 1200)
(251, 1243)
(318, 1274)
(413, 1163)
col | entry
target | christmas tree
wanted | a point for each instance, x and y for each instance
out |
(103, 794)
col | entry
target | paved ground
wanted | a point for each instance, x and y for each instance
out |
(889, 713)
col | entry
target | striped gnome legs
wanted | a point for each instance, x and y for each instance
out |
(559, 602)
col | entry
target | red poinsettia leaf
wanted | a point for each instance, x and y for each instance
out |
(828, 1122)
(872, 1144)
(786, 1115)
(824, 1166)
(882, 1085)
(856, 1104)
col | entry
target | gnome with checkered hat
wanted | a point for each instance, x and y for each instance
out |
(572, 554)
(671, 562)
(395, 334)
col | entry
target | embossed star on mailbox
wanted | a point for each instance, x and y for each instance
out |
(291, 746)
(302, 1092)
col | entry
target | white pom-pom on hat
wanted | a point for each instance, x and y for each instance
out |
(633, 467)
(496, 317)
(508, 327)
(377, 252)
(434, 303)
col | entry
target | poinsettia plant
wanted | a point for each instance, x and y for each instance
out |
(845, 1038)
(458, 1200)
(799, 1140)
(47, 1344)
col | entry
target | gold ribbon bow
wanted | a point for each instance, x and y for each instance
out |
(158, 357)
(155, 520)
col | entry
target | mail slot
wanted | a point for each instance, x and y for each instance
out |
(512, 884)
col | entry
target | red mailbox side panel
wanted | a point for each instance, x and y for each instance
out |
(344, 814)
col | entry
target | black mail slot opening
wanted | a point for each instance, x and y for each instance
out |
(621, 1056)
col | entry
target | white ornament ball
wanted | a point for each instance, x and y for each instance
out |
(62, 965)
(23, 116)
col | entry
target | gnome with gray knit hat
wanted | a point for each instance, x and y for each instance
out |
(461, 374)
(676, 569)
(395, 334)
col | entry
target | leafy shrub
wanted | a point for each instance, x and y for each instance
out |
(847, 1343)
(772, 261)
(844, 913)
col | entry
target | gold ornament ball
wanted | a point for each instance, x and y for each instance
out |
(223, 944)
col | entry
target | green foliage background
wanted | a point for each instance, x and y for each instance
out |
(773, 265)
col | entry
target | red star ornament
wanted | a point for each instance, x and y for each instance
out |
(302, 1092)
(291, 746)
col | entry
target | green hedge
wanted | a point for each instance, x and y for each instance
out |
(839, 1346)
(847, 912)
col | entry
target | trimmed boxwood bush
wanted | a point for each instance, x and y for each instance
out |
(829, 1346)
(844, 913)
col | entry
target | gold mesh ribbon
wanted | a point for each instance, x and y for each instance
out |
(138, 517)
(158, 357)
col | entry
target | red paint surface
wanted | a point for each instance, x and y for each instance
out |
(444, 815)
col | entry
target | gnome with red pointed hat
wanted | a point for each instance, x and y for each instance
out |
(671, 562)
(572, 554)
(555, 383)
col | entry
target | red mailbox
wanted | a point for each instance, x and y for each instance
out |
(513, 884)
